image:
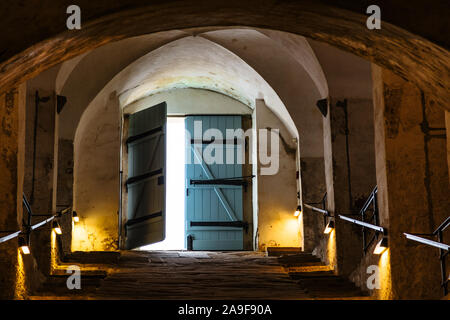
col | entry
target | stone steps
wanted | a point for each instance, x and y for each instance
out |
(57, 284)
(93, 257)
(281, 251)
(299, 260)
(311, 275)
(316, 278)
(199, 275)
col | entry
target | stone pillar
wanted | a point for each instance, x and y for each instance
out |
(447, 126)
(96, 178)
(64, 195)
(277, 192)
(40, 166)
(412, 178)
(313, 188)
(12, 118)
(350, 177)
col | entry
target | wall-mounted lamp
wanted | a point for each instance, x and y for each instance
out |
(24, 244)
(381, 246)
(75, 217)
(329, 227)
(298, 211)
(56, 227)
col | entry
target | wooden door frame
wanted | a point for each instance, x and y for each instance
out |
(123, 176)
(247, 170)
(247, 198)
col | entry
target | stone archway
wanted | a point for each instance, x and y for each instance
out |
(410, 56)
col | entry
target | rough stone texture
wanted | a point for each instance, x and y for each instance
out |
(9, 185)
(348, 77)
(96, 178)
(88, 75)
(177, 275)
(277, 225)
(447, 126)
(318, 279)
(64, 194)
(408, 55)
(350, 176)
(313, 189)
(361, 275)
(196, 275)
(412, 176)
(18, 273)
(38, 185)
(288, 74)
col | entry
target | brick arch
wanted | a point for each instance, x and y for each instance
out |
(412, 57)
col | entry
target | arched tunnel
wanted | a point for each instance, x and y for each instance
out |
(257, 150)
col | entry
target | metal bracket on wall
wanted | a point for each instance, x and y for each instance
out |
(60, 103)
(322, 104)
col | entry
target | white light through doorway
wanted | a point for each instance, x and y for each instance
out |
(175, 191)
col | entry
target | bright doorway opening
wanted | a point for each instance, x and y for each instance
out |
(175, 188)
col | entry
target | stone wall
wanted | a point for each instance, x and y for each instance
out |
(313, 190)
(40, 165)
(447, 126)
(19, 273)
(350, 177)
(64, 194)
(349, 160)
(277, 193)
(412, 177)
(96, 179)
(318, 20)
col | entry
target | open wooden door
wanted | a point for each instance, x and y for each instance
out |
(214, 192)
(146, 144)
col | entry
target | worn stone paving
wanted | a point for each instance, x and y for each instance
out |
(190, 275)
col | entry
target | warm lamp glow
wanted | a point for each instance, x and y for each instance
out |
(329, 227)
(23, 245)
(20, 288)
(298, 211)
(381, 246)
(57, 227)
(75, 216)
(25, 249)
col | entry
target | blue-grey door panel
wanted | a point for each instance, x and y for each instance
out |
(146, 145)
(213, 210)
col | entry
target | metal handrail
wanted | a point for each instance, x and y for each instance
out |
(316, 209)
(436, 244)
(443, 226)
(443, 249)
(363, 224)
(326, 214)
(371, 200)
(28, 226)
